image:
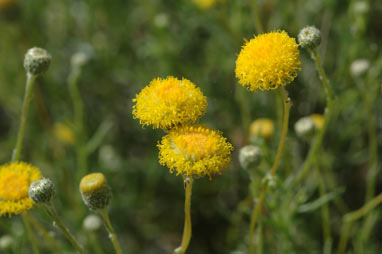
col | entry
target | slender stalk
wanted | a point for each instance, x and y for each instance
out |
(256, 212)
(328, 111)
(187, 222)
(24, 114)
(49, 208)
(351, 217)
(325, 217)
(110, 230)
(30, 233)
(258, 24)
(78, 110)
(43, 232)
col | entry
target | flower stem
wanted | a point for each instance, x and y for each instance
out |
(30, 233)
(325, 214)
(27, 97)
(351, 217)
(328, 111)
(43, 232)
(49, 208)
(110, 230)
(256, 212)
(258, 24)
(187, 222)
(78, 111)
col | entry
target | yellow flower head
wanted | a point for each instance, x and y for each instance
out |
(63, 133)
(262, 127)
(165, 103)
(268, 61)
(15, 179)
(195, 151)
(204, 4)
(318, 120)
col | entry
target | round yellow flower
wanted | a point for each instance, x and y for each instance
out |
(15, 179)
(64, 133)
(165, 103)
(262, 127)
(268, 61)
(195, 151)
(318, 120)
(204, 4)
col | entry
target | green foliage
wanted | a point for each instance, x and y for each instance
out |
(127, 44)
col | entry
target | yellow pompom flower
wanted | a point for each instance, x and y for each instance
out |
(204, 4)
(195, 151)
(165, 103)
(15, 179)
(64, 133)
(318, 120)
(268, 61)
(262, 127)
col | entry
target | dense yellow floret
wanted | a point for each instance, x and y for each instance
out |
(195, 151)
(268, 61)
(165, 103)
(204, 4)
(262, 127)
(15, 179)
(318, 120)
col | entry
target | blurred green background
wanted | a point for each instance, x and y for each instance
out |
(127, 44)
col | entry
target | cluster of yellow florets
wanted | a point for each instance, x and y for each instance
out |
(165, 103)
(195, 151)
(15, 179)
(175, 105)
(268, 61)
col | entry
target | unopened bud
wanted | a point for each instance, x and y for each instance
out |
(37, 61)
(250, 156)
(309, 37)
(95, 191)
(359, 67)
(42, 191)
(305, 127)
(92, 223)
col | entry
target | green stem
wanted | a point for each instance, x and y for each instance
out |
(351, 217)
(187, 222)
(328, 111)
(49, 208)
(256, 212)
(325, 217)
(27, 97)
(110, 230)
(258, 24)
(78, 110)
(43, 232)
(30, 233)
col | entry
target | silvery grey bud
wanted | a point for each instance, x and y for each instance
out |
(42, 191)
(37, 61)
(95, 191)
(309, 37)
(305, 127)
(6, 242)
(250, 156)
(92, 223)
(359, 67)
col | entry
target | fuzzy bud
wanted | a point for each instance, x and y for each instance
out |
(309, 37)
(42, 191)
(37, 61)
(95, 191)
(250, 156)
(359, 67)
(92, 223)
(6, 242)
(305, 127)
